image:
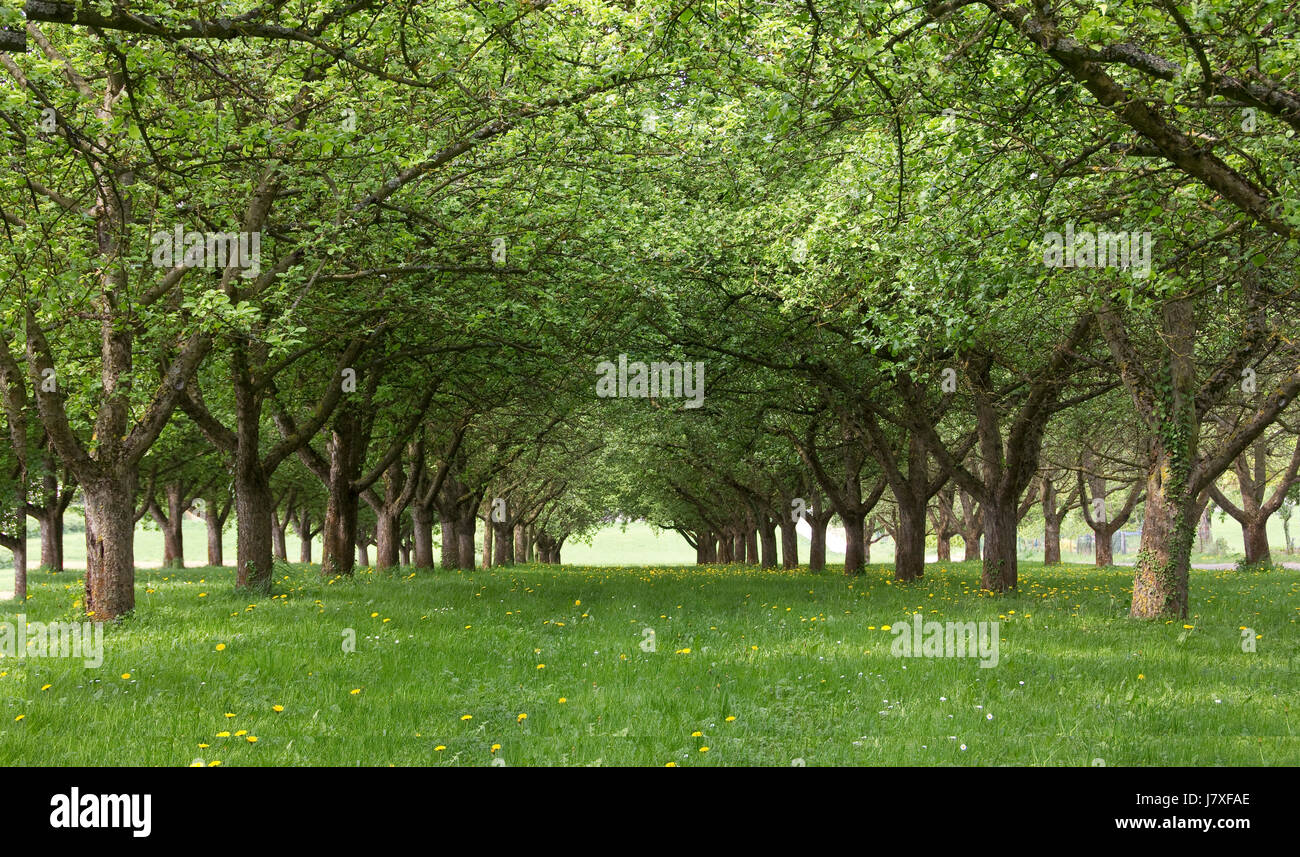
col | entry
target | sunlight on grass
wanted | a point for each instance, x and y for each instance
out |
(551, 667)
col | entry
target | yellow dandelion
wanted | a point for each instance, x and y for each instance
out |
(252, 739)
(563, 700)
(521, 718)
(204, 746)
(494, 748)
(541, 666)
(467, 717)
(731, 718)
(241, 733)
(221, 647)
(214, 763)
(704, 749)
(671, 765)
(277, 708)
(230, 714)
(696, 734)
(440, 748)
(354, 691)
(223, 734)
(19, 717)
(46, 687)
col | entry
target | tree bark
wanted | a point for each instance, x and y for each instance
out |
(110, 528)
(818, 521)
(387, 538)
(767, 541)
(854, 552)
(465, 528)
(1255, 534)
(789, 540)
(279, 537)
(304, 535)
(521, 543)
(422, 536)
(909, 540)
(1160, 584)
(340, 536)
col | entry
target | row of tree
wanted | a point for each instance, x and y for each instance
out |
(369, 255)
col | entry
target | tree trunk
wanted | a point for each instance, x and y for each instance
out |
(1052, 542)
(304, 535)
(340, 535)
(212, 520)
(1000, 572)
(448, 531)
(110, 558)
(387, 538)
(789, 542)
(279, 537)
(701, 548)
(253, 504)
(170, 525)
(1051, 523)
(944, 547)
(1105, 554)
(1161, 581)
(51, 523)
(521, 543)
(1255, 535)
(502, 543)
(725, 545)
(817, 550)
(19, 543)
(909, 540)
(767, 541)
(422, 537)
(173, 545)
(488, 539)
(854, 553)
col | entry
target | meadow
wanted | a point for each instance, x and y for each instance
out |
(539, 665)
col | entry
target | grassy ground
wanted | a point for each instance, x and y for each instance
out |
(446, 663)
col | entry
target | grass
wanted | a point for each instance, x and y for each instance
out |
(801, 661)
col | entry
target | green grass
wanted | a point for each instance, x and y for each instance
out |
(800, 661)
